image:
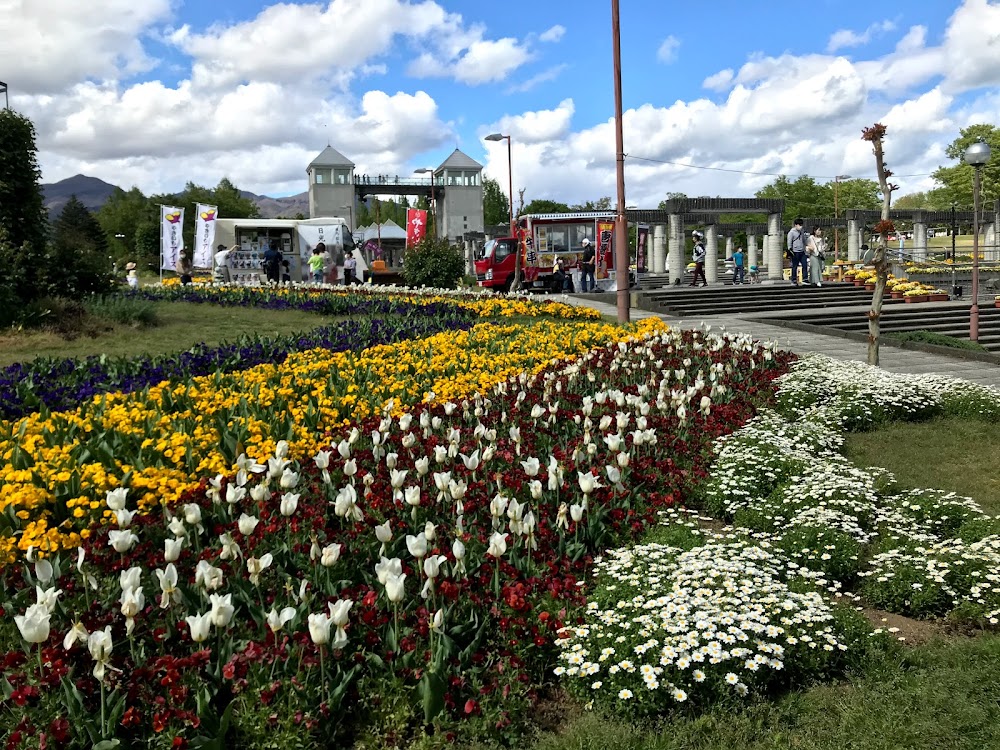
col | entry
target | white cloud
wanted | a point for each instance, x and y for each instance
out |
(549, 74)
(536, 127)
(848, 38)
(667, 52)
(553, 34)
(47, 46)
(719, 81)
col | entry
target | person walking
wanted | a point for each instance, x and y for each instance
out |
(814, 251)
(796, 244)
(587, 267)
(699, 258)
(131, 276)
(738, 270)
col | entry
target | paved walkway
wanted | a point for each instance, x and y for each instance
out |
(892, 358)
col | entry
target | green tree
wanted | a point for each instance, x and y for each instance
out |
(496, 205)
(542, 206)
(23, 224)
(122, 217)
(433, 262)
(79, 264)
(226, 196)
(804, 197)
(956, 181)
(601, 204)
(670, 196)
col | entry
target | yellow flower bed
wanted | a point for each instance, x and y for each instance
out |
(55, 471)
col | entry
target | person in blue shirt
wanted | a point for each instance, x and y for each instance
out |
(738, 269)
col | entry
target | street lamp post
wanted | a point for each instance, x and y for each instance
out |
(836, 214)
(976, 156)
(621, 237)
(433, 208)
(510, 176)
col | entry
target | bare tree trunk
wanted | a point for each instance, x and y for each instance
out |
(881, 260)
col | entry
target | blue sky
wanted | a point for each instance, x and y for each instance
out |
(159, 92)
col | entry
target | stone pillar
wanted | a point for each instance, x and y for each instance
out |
(919, 242)
(711, 254)
(751, 250)
(675, 254)
(729, 248)
(659, 248)
(853, 240)
(775, 267)
(990, 250)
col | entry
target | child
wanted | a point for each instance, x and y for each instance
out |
(316, 265)
(131, 276)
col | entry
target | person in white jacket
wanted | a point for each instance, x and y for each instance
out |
(699, 258)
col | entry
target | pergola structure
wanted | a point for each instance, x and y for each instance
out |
(669, 227)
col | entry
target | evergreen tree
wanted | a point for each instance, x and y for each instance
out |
(496, 206)
(22, 215)
(79, 264)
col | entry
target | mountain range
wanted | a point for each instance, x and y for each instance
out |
(93, 193)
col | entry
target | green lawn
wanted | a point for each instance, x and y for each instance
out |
(181, 325)
(943, 696)
(949, 453)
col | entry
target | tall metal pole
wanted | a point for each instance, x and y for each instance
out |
(621, 237)
(510, 188)
(974, 311)
(836, 216)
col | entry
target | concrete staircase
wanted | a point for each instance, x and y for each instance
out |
(946, 318)
(720, 299)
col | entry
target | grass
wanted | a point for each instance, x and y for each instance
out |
(949, 453)
(180, 326)
(942, 696)
(938, 339)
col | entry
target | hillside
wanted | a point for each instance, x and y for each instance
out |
(93, 193)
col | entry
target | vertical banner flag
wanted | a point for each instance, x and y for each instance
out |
(605, 258)
(416, 226)
(171, 237)
(204, 235)
(641, 238)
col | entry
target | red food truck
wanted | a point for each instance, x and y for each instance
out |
(542, 240)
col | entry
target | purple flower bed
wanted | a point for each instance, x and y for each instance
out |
(60, 384)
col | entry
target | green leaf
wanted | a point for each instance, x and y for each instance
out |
(431, 690)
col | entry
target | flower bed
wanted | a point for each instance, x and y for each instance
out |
(402, 573)
(60, 384)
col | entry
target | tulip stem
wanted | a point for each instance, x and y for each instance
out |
(103, 709)
(322, 673)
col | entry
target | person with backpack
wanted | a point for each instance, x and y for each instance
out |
(699, 258)
(796, 244)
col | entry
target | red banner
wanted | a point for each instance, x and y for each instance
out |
(416, 226)
(605, 246)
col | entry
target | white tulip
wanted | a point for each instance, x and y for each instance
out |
(289, 503)
(277, 620)
(229, 549)
(122, 541)
(48, 598)
(437, 624)
(177, 527)
(385, 567)
(200, 626)
(531, 466)
(535, 487)
(588, 482)
(394, 587)
(440, 453)
(256, 566)
(391, 460)
(417, 545)
(344, 449)
(432, 565)
(192, 514)
(100, 645)
(207, 576)
(235, 495)
(34, 624)
(130, 579)
(331, 553)
(322, 460)
(339, 618)
(281, 449)
(116, 498)
(169, 593)
(430, 530)
(77, 633)
(43, 571)
(222, 610)
(397, 478)
(124, 518)
(247, 524)
(172, 549)
(576, 512)
(319, 628)
(471, 462)
(498, 545)
(132, 603)
(260, 493)
(422, 465)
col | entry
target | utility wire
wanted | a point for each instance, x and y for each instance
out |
(755, 174)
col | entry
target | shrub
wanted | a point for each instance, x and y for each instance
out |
(126, 310)
(435, 263)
